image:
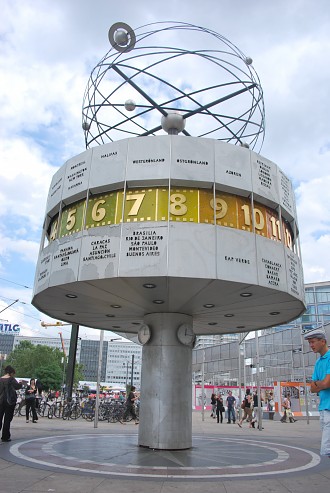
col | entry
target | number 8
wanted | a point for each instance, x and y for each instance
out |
(177, 207)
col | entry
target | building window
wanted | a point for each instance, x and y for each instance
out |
(322, 294)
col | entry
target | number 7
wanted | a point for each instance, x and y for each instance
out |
(138, 201)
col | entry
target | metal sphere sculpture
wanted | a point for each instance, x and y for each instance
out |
(170, 236)
(173, 67)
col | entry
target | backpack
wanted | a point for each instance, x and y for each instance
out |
(7, 393)
(2, 391)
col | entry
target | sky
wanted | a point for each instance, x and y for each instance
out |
(47, 51)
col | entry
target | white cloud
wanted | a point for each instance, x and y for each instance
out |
(25, 177)
(27, 250)
(313, 204)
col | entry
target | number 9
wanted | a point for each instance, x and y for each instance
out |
(219, 205)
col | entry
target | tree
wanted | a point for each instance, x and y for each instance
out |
(50, 376)
(22, 359)
(33, 361)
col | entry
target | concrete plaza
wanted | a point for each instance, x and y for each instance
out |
(73, 456)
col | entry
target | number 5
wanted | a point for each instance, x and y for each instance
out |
(71, 220)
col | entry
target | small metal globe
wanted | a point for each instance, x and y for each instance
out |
(173, 123)
(245, 144)
(248, 60)
(130, 105)
(86, 125)
(121, 37)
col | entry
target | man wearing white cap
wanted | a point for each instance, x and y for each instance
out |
(321, 382)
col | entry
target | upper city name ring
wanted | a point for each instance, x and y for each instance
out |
(124, 41)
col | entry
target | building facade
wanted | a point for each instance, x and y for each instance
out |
(117, 357)
(89, 358)
(124, 363)
(283, 355)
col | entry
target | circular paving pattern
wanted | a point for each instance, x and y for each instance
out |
(119, 455)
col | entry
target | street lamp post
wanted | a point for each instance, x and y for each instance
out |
(132, 370)
(258, 383)
(304, 375)
(127, 366)
(203, 378)
(240, 349)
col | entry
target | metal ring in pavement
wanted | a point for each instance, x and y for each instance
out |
(210, 457)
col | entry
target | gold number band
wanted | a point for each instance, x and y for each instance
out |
(177, 204)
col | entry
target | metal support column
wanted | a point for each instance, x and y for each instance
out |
(72, 359)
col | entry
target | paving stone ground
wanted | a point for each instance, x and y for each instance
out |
(73, 456)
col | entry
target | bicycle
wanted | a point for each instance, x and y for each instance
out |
(88, 410)
(43, 408)
(71, 410)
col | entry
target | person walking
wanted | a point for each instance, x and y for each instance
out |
(231, 403)
(219, 408)
(287, 415)
(271, 405)
(246, 405)
(321, 383)
(285, 406)
(255, 413)
(30, 401)
(8, 398)
(214, 405)
(130, 407)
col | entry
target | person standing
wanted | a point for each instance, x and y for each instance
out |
(214, 405)
(30, 401)
(286, 405)
(219, 408)
(130, 406)
(321, 383)
(8, 398)
(231, 403)
(271, 405)
(287, 410)
(247, 408)
(255, 414)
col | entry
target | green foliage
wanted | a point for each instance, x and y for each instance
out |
(41, 362)
(50, 376)
(26, 358)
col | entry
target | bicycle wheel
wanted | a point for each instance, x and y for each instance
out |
(90, 416)
(58, 410)
(75, 411)
(21, 410)
(113, 417)
(103, 412)
(50, 413)
(66, 411)
(41, 409)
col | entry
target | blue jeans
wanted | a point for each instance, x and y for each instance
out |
(231, 414)
(325, 427)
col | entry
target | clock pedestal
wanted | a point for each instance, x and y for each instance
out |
(165, 414)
